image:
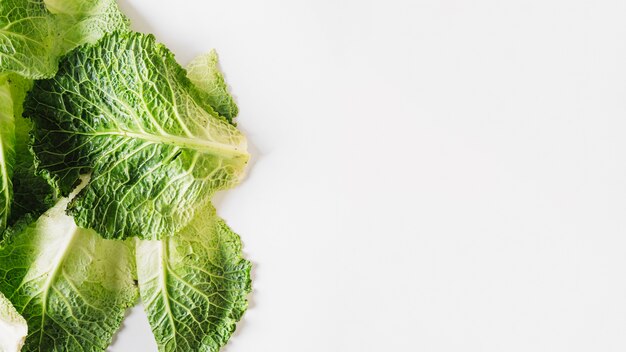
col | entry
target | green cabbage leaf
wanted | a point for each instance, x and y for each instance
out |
(71, 285)
(194, 284)
(34, 34)
(125, 111)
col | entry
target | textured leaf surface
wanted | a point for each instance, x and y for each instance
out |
(71, 285)
(13, 328)
(204, 72)
(32, 38)
(28, 38)
(125, 111)
(194, 285)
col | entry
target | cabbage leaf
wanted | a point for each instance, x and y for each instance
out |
(71, 286)
(125, 111)
(194, 284)
(32, 38)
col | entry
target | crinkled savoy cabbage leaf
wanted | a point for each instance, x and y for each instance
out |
(125, 111)
(71, 285)
(194, 284)
(32, 38)
(13, 328)
(204, 72)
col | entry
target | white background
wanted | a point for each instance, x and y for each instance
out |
(428, 175)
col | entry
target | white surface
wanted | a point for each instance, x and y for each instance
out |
(435, 175)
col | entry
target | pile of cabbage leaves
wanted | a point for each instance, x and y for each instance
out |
(110, 154)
